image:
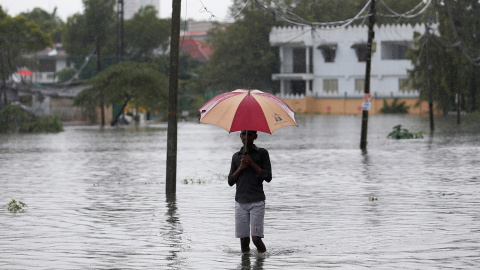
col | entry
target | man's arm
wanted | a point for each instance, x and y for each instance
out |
(235, 171)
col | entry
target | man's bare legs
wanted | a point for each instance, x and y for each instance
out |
(257, 241)
(245, 244)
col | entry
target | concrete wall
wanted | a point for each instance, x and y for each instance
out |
(311, 105)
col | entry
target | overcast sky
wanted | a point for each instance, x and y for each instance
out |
(191, 9)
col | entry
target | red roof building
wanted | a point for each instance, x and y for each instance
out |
(196, 48)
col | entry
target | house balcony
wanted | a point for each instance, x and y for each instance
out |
(44, 77)
(294, 72)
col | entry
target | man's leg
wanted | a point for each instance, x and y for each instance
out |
(245, 244)
(257, 241)
(242, 226)
(257, 214)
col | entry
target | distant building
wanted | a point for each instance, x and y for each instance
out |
(130, 7)
(195, 41)
(197, 49)
(51, 60)
(329, 64)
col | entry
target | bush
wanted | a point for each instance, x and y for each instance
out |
(399, 133)
(14, 118)
(394, 108)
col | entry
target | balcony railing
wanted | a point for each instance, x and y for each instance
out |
(297, 69)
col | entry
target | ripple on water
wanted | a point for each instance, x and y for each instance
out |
(96, 198)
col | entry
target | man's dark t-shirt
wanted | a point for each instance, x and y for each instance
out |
(249, 183)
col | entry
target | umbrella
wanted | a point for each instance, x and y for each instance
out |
(25, 72)
(247, 110)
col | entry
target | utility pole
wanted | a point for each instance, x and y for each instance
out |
(120, 44)
(171, 180)
(371, 36)
(430, 98)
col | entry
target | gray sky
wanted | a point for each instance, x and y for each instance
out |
(191, 9)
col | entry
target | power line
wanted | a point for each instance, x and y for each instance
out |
(463, 49)
(406, 14)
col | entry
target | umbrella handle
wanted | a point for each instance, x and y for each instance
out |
(245, 142)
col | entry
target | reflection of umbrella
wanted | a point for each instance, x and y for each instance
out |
(25, 72)
(247, 110)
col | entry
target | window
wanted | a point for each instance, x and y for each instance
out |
(330, 85)
(395, 50)
(359, 85)
(47, 65)
(360, 51)
(405, 85)
(298, 87)
(328, 52)
(299, 60)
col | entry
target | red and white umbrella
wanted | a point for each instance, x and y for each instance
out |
(247, 110)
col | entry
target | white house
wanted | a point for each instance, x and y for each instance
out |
(330, 62)
(51, 60)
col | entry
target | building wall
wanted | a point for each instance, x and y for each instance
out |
(311, 105)
(66, 111)
(130, 7)
(385, 73)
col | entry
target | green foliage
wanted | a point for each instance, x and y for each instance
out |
(243, 57)
(137, 83)
(19, 36)
(15, 119)
(146, 32)
(339, 10)
(15, 206)
(395, 107)
(65, 74)
(451, 72)
(48, 22)
(399, 133)
(95, 28)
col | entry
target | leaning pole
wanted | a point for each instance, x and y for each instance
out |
(371, 35)
(171, 180)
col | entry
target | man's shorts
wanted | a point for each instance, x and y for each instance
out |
(249, 219)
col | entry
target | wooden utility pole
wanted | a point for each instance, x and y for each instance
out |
(171, 180)
(430, 98)
(120, 15)
(371, 36)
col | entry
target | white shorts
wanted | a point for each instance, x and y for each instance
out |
(249, 219)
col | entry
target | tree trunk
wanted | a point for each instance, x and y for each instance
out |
(99, 69)
(4, 83)
(114, 121)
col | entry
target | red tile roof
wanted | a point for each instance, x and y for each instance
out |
(196, 48)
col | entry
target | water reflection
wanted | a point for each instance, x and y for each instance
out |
(246, 261)
(174, 234)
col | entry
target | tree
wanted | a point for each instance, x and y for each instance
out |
(144, 33)
(48, 22)
(139, 84)
(18, 36)
(95, 28)
(243, 57)
(454, 71)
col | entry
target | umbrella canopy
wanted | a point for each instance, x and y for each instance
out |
(25, 72)
(247, 110)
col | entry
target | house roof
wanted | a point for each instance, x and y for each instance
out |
(196, 48)
(56, 90)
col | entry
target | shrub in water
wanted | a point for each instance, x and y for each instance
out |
(14, 118)
(395, 107)
(399, 133)
(15, 206)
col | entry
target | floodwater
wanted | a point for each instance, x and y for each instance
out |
(96, 198)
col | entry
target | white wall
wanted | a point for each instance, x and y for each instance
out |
(384, 73)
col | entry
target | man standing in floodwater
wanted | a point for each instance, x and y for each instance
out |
(250, 167)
